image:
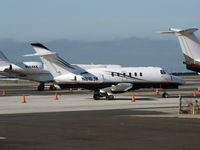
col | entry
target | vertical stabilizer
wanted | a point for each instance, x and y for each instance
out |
(3, 59)
(190, 46)
(56, 65)
(189, 43)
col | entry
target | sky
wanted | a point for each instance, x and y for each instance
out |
(89, 25)
(94, 19)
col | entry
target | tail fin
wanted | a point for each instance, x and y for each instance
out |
(56, 65)
(190, 46)
(3, 59)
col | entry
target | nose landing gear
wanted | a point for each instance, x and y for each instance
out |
(40, 87)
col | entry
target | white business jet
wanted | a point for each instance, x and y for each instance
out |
(104, 81)
(33, 71)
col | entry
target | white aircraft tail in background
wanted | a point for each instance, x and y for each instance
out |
(190, 47)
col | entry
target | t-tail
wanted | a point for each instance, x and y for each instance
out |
(190, 47)
(56, 65)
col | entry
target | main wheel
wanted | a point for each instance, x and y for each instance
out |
(110, 97)
(40, 88)
(95, 97)
(165, 95)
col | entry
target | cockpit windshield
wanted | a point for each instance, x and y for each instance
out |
(163, 72)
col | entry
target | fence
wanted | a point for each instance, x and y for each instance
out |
(189, 105)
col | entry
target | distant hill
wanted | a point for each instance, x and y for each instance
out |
(132, 51)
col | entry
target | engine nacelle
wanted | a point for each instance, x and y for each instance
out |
(26, 67)
(16, 68)
(67, 78)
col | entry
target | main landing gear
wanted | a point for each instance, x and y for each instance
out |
(97, 95)
(165, 95)
(110, 97)
(41, 87)
(52, 88)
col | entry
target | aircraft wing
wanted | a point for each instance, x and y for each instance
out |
(4, 68)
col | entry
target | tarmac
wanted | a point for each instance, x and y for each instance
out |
(79, 102)
(75, 121)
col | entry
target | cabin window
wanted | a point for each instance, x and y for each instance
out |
(135, 74)
(130, 74)
(112, 74)
(140, 73)
(118, 74)
(124, 74)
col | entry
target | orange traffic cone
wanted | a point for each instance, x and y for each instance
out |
(195, 93)
(70, 90)
(23, 99)
(133, 98)
(56, 96)
(4, 92)
(157, 92)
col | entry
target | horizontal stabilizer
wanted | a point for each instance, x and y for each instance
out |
(27, 55)
(36, 54)
(39, 45)
(182, 32)
(41, 50)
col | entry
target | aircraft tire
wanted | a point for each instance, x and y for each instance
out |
(110, 97)
(40, 88)
(95, 97)
(165, 95)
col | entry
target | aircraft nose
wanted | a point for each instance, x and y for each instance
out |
(177, 80)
